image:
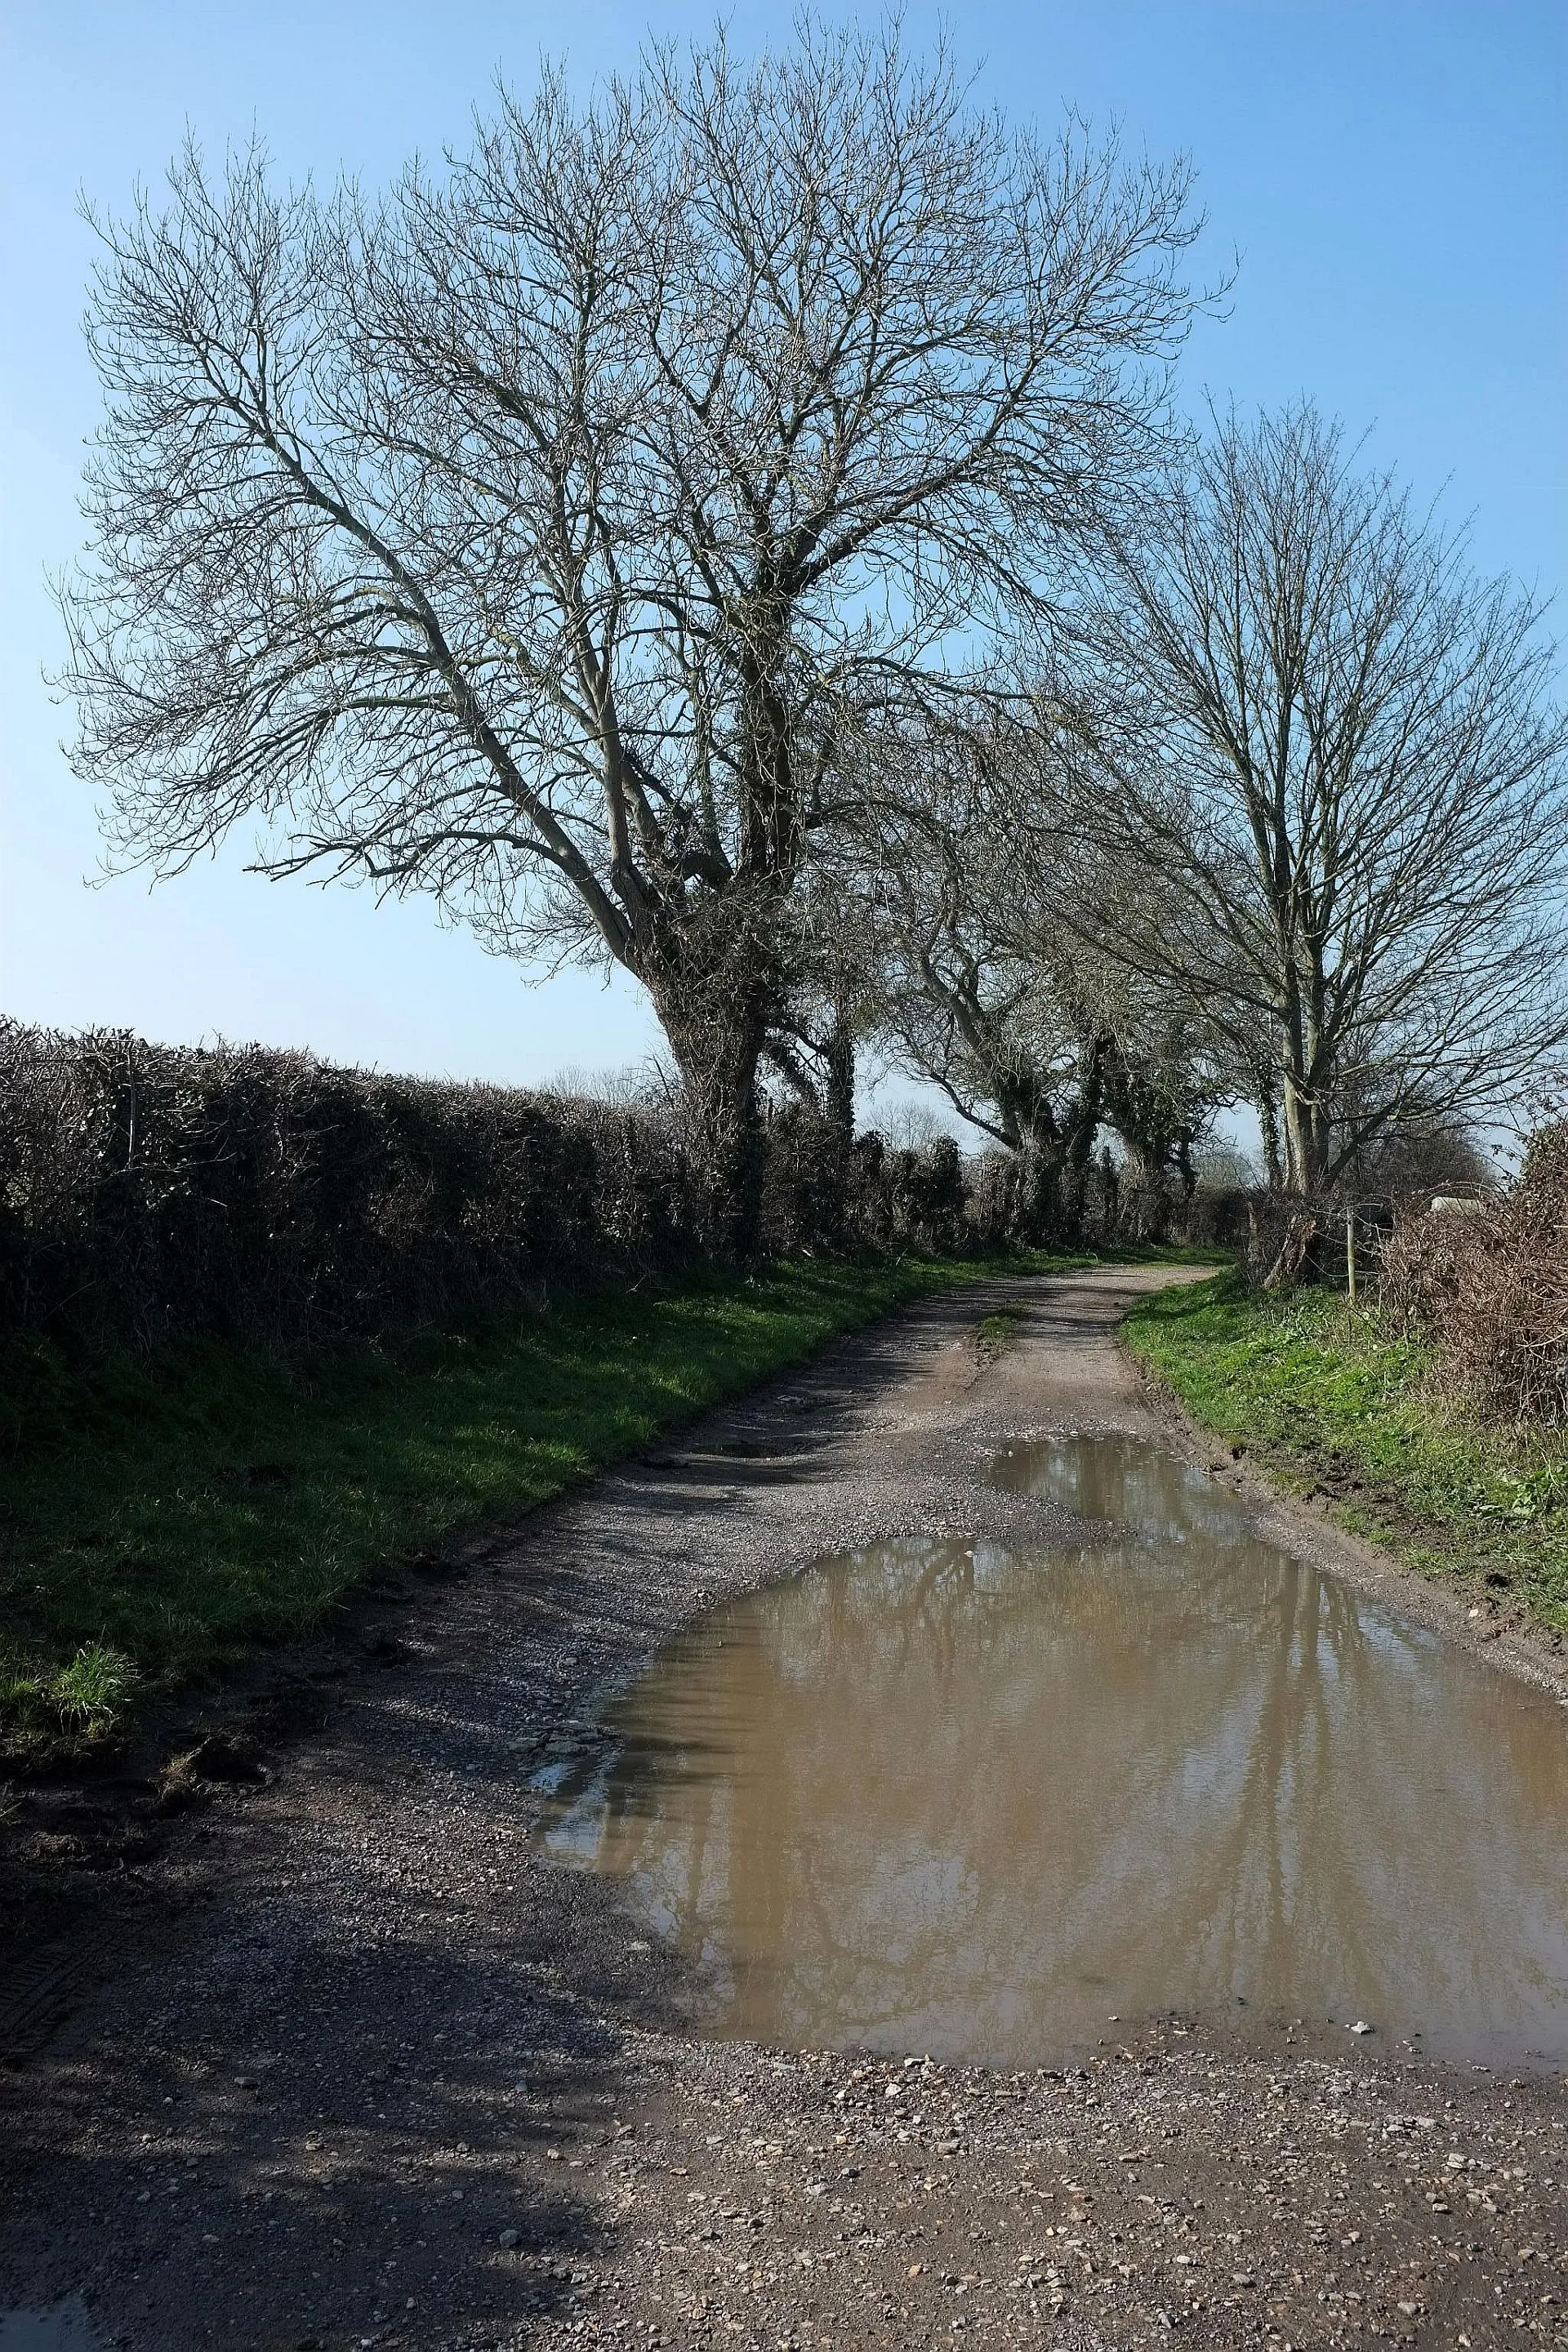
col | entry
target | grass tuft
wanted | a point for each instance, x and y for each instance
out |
(996, 1332)
(89, 1692)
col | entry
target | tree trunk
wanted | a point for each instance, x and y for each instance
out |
(1082, 1120)
(838, 1102)
(1185, 1169)
(1306, 1140)
(1294, 1253)
(1269, 1125)
(712, 985)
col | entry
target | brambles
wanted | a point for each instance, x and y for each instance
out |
(1489, 1286)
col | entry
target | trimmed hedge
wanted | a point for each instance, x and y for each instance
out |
(150, 1193)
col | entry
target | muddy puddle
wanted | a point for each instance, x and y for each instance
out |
(63, 2328)
(977, 1799)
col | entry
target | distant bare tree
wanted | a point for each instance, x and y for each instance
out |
(929, 904)
(980, 982)
(1331, 746)
(527, 537)
(1428, 1157)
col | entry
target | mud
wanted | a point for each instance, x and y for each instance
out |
(363, 2065)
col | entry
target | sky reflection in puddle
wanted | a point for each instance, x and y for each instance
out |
(63, 2328)
(970, 1800)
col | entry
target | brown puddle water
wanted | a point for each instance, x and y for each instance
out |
(969, 1799)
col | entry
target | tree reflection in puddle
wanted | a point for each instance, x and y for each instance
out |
(958, 1798)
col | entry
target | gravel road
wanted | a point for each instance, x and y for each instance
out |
(355, 2064)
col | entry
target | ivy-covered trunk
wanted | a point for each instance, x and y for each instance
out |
(838, 1092)
(712, 987)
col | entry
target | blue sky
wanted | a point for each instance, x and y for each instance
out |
(1391, 173)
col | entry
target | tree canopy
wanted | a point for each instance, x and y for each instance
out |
(530, 535)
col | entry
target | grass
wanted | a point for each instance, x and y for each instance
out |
(158, 1517)
(1337, 1405)
(995, 1333)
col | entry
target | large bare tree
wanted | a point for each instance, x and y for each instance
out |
(1333, 747)
(530, 536)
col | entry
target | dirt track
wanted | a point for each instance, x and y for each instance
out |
(366, 2069)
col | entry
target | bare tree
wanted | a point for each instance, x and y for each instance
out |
(824, 1007)
(927, 910)
(1333, 745)
(528, 537)
(980, 982)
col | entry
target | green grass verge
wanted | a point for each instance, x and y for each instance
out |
(160, 1516)
(1336, 1406)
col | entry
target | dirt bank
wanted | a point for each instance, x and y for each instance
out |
(357, 2065)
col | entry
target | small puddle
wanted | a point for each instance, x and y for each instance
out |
(64, 2328)
(972, 1799)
